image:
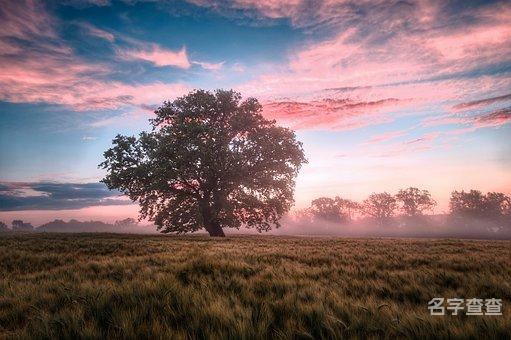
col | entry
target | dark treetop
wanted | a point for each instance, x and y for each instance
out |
(212, 161)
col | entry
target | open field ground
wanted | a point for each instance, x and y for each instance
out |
(125, 286)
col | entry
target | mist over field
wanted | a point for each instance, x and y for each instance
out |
(431, 226)
(435, 226)
(472, 214)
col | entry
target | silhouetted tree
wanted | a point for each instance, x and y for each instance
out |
(497, 205)
(333, 209)
(347, 207)
(19, 225)
(467, 204)
(126, 223)
(327, 209)
(3, 227)
(212, 161)
(380, 206)
(475, 204)
(415, 202)
(74, 226)
(302, 215)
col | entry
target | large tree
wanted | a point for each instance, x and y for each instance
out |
(211, 161)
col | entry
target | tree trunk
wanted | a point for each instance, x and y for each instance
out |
(210, 223)
(214, 229)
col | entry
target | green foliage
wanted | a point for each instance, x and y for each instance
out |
(248, 287)
(211, 161)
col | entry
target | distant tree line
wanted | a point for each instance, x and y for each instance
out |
(125, 225)
(16, 225)
(412, 207)
(412, 204)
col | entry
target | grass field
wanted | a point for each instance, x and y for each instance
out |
(248, 287)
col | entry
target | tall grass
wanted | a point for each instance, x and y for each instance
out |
(246, 287)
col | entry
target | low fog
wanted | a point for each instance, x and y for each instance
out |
(427, 226)
(472, 214)
(434, 226)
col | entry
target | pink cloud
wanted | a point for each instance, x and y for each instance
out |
(398, 149)
(387, 136)
(96, 32)
(481, 102)
(442, 120)
(112, 95)
(23, 19)
(419, 66)
(68, 81)
(52, 73)
(477, 43)
(352, 60)
(158, 56)
(301, 13)
(329, 113)
(471, 122)
(493, 119)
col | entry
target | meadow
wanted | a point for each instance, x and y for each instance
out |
(246, 287)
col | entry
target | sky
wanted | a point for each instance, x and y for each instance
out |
(383, 94)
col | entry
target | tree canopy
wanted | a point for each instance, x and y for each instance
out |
(380, 206)
(475, 204)
(326, 208)
(211, 161)
(333, 209)
(415, 202)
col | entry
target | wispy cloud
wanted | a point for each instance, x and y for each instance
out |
(471, 121)
(494, 118)
(157, 55)
(434, 63)
(481, 102)
(160, 56)
(38, 67)
(329, 113)
(209, 66)
(398, 149)
(387, 136)
(97, 32)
